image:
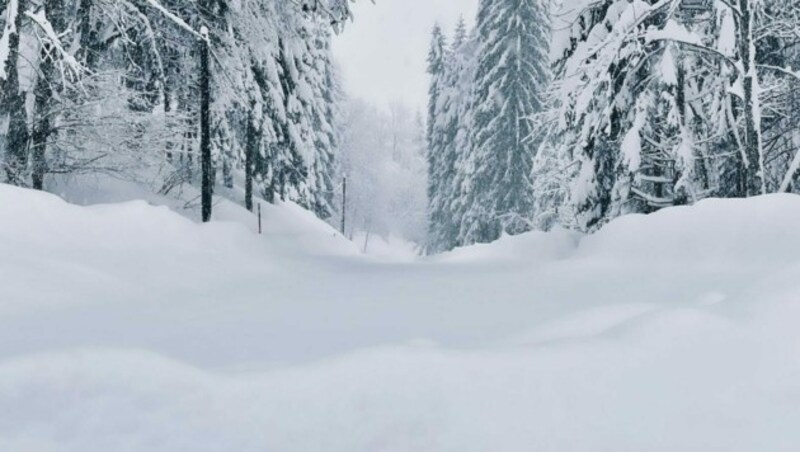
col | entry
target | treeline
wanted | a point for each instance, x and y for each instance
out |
(114, 86)
(651, 104)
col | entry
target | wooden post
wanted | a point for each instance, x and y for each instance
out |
(344, 204)
(205, 126)
(259, 218)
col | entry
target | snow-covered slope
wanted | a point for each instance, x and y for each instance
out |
(127, 327)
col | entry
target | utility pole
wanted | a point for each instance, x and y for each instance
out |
(344, 204)
(207, 189)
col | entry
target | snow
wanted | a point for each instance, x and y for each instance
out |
(631, 146)
(128, 327)
(726, 43)
(667, 69)
(675, 32)
(390, 247)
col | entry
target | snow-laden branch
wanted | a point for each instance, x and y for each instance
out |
(641, 12)
(785, 71)
(68, 63)
(679, 35)
(176, 20)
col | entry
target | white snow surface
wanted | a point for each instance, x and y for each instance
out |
(127, 327)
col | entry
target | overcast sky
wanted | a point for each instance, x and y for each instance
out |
(382, 53)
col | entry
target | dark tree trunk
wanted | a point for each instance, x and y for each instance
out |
(207, 169)
(45, 85)
(344, 205)
(754, 174)
(16, 157)
(41, 126)
(249, 153)
(88, 36)
(168, 114)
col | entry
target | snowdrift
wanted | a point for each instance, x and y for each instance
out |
(129, 327)
(761, 230)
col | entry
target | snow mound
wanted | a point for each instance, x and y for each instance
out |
(531, 247)
(296, 227)
(760, 230)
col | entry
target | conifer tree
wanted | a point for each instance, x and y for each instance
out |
(437, 68)
(455, 120)
(512, 75)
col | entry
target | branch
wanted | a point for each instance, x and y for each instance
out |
(40, 19)
(177, 20)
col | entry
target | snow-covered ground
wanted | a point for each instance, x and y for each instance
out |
(127, 327)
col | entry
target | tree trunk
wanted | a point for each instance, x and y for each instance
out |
(249, 153)
(754, 164)
(207, 189)
(16, 157)
(87, 34)
(344, 205)
(42, 126)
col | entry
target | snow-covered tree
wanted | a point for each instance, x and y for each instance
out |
(453, 122)
(438, 171)
(114, 87)
(513, 71)
(668, 102)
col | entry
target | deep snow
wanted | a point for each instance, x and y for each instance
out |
(127, 327)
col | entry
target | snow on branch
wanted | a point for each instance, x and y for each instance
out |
(175, 19)
(785, 71)
(68, 62)
(678, 34)
(673, 31)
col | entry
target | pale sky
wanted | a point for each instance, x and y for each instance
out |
(382, 53)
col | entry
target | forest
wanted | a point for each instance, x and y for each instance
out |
(171, 93)
(577, 115)
(540, 114)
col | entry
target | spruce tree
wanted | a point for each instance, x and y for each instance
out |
(455, 121)
(512, 74)
(437, 216)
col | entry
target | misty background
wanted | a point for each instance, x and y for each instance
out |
(382, 56)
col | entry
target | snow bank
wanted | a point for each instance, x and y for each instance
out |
(754, 231)
(130, 328)
(532, 247)
(296, 227)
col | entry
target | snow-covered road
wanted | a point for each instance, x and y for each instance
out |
(126, 327)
